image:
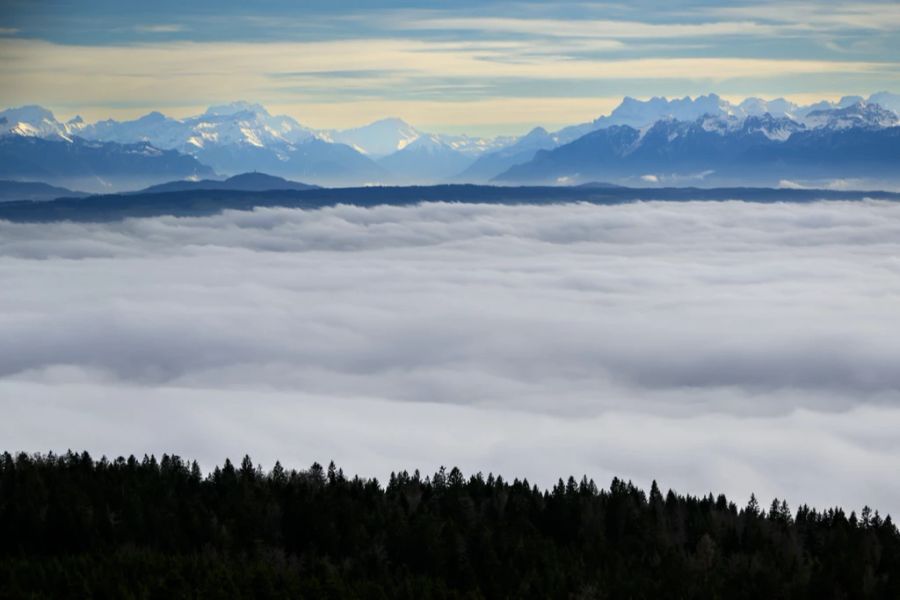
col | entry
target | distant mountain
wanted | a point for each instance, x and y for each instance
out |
(641, 114)
(208, 202)
(492, 164)
(377, 139)
(235, 124)
(240, 136)
(246, 182)
(859, 141)
(32, 121)
(860, 114)
(233, 138)
(387, 136)
(886, 100)
(93, 166)
(313, 160)
(426, 159)
(34, 191)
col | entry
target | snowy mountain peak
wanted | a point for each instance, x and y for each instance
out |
(428, 143)
(774, 128)
(640, 113)
(31, 113)
(846, 101)
(778, 107)
(32, 121)
(887, 100)
(379, 138)
(860, 114)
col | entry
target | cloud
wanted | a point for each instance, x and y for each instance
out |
(137, 77)
(714, 346)
(160, 28)
(593, 28)
(817, 16)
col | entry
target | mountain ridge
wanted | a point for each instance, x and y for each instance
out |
(239, 136)
(114, 207)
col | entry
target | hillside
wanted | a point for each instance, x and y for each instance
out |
(160, 528)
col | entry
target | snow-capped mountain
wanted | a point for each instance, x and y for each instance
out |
(861, 114)
(236, 137)
(377, 139)
(241, 136)
(386, 136)
(154, 128)
(886, 100)
(776, 119)
(245, 123)
(522, 150)
(232, 138)
(475, 146)
(858, 141)
(35, 121)
(426, 159)
(642, 113)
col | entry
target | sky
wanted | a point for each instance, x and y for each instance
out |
(478, 67)
(714, 346)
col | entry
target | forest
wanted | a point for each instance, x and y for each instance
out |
(75, 527)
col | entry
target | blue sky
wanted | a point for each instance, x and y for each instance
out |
(481, 67)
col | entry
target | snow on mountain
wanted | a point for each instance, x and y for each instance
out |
(860, 141)
(774, 128)
(886, 100)
(638, 113)
(32, 121)
(93, 166)
(426, 159)
(386, 136)
(154, 128)
(238, 136)
(522, 150)
(475, 146)
(858, 115)
(757, 107)
(377, 139)
(238, 123)
(641, 114)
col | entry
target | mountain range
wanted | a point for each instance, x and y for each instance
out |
(859, 142)
(705, 140)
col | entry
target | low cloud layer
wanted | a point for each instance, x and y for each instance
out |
(713, 346)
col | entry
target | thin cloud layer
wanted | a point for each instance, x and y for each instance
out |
(486, 67)
(710, 345)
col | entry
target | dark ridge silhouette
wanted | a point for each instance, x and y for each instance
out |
(71, 527)
(34, 191)
(207, 202)
(245, 182)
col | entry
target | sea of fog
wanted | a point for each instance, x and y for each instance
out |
(714, 346)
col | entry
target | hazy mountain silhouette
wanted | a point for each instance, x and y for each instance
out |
(34, 191)
(246, 182)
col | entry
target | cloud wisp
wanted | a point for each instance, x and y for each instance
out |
(136, 77)
(711, 345)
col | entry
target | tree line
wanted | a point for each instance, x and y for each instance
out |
(75, 527)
